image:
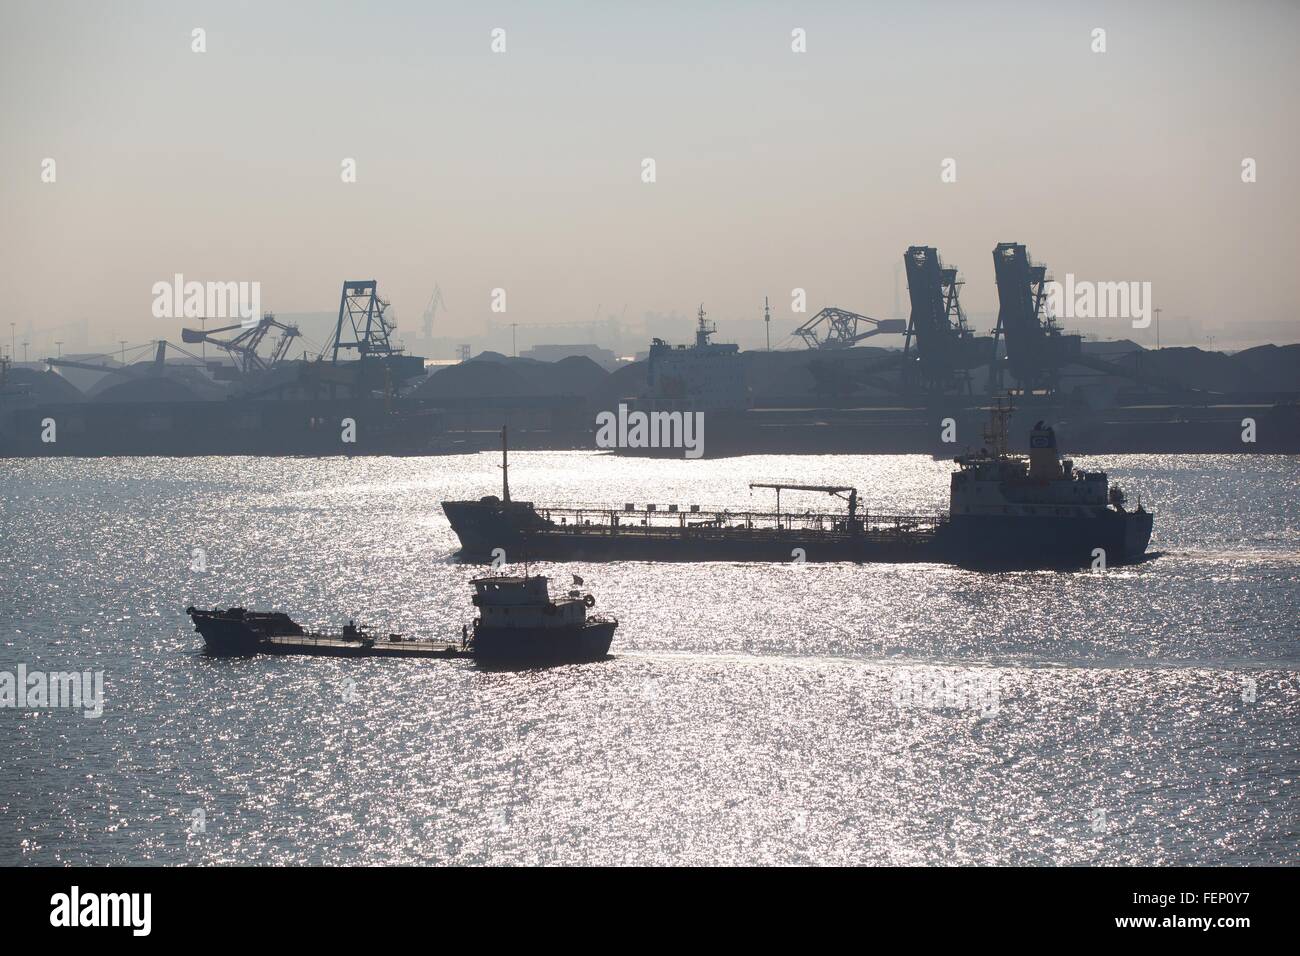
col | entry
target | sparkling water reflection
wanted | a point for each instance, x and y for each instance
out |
(750, 713)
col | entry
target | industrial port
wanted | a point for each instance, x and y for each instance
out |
(846, 382)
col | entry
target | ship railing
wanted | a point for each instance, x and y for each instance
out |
(318, 638)
(592, 520)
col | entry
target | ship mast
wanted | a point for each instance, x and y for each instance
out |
(505, 469)
(995, 432)
(704, 330)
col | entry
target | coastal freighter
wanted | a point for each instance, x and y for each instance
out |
(1006, 511)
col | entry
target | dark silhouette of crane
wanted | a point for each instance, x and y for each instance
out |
(940, 349)
(841, 328)
(1036, 348)
(243, 347)
(362, 324)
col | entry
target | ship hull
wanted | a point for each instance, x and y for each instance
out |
(484, 526)
(524, 645)
(1023, 542)
(231, 633)
(1005, 542)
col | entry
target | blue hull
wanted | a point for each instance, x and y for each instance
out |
(1011, 542)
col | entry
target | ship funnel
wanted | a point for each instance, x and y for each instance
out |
(1044, 462)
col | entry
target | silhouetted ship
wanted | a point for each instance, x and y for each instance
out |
(1005, 511)
(236, 631)
(518, 622)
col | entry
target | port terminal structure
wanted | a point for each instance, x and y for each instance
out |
(1026, 356)
(243, 348)
(835, 328)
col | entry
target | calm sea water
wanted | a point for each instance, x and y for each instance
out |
(750, 713)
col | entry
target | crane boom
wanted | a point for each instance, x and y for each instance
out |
(839, 491)
(243, 347)
(842, 328)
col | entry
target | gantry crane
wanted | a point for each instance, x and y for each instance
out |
(431, 310)
(362, 324)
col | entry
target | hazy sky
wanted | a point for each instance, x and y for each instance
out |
(522, 170)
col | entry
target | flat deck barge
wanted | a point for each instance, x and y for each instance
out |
(325, 646)
(238, 631)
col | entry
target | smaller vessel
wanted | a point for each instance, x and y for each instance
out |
(519, 622)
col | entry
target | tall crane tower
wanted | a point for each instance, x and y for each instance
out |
(431, 311)
(1036, 349)
(362, 324)
(939, 349)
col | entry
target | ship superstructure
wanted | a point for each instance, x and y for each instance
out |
(519, 620)
(992, 482)
(706, 376)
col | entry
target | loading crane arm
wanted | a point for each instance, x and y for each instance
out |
(845, 492)
(243, 347)
(842, 328)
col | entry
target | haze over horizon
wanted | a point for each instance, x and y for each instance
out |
(522, 170)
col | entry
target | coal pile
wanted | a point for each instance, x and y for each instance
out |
(1266, 368)
(153, 389)
(492, 375)
(45, 387)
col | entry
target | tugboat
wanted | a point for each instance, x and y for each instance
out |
(519, 622)
(1006, 512)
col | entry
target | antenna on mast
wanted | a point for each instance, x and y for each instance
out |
(505, 469)
(995, 433)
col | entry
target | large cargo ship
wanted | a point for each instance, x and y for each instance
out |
(1006, 511)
